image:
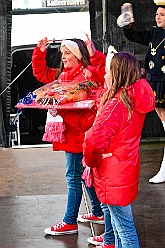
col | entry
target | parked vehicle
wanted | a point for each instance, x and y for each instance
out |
(28, 127)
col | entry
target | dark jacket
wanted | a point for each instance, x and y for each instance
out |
(153, 39)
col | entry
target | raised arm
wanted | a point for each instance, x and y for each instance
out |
(41, 71)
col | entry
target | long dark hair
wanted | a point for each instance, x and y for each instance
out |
(84, 52)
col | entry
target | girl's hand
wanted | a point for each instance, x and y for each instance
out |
(106, 155)
(42, 44)
(90, 46)
(87, 73)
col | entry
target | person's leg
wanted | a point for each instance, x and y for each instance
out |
(74, 171)
(95, 203)
(109, 237)
(123, 226)
(161, 113)
(96, 215)
(117, 238)
(160, 176)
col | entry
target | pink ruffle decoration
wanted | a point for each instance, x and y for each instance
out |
(87, 175)
(54, 132)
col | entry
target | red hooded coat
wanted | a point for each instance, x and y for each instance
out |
(76, 121)
(116, 177)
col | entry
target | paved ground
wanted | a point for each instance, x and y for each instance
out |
(33, 196)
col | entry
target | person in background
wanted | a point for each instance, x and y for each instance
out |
(111, 146)
(154, 61)
(77, 63)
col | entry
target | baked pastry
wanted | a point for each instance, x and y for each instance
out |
(55, 93)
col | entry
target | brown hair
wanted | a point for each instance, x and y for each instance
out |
(84, 52)
(125, 70)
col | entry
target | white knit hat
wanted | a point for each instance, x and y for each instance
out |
(159, 2)
(73, 47)
(110, 54)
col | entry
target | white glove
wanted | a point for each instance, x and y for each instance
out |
(126, 16)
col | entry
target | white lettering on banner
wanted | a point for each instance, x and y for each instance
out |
(51, 3)
(72, 2)
(62, 3)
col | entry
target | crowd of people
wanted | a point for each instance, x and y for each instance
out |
(102, 142)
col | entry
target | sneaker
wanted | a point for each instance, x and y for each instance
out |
(91, 218)
(61, 229)
(96, 240)
(105, 246)
(159, 177)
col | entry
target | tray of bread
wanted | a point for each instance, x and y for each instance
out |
(69, 94)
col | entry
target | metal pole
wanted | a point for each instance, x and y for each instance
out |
(104, 8)
(87, 208)
(15, 78)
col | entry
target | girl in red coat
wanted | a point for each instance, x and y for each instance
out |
(111, 146)
(76, 64)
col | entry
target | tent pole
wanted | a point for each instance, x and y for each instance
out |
(104, 8)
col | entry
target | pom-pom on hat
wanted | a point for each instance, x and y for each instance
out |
(110, 54)
(159, 2)
(73, 47)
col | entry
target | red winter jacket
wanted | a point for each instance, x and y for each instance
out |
(77, 122)
(116, 177)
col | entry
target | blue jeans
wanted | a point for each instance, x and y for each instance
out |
(95, 203)
(123, 226)
(109, 237)
(74, 170)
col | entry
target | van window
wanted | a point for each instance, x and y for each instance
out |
(31, 121)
